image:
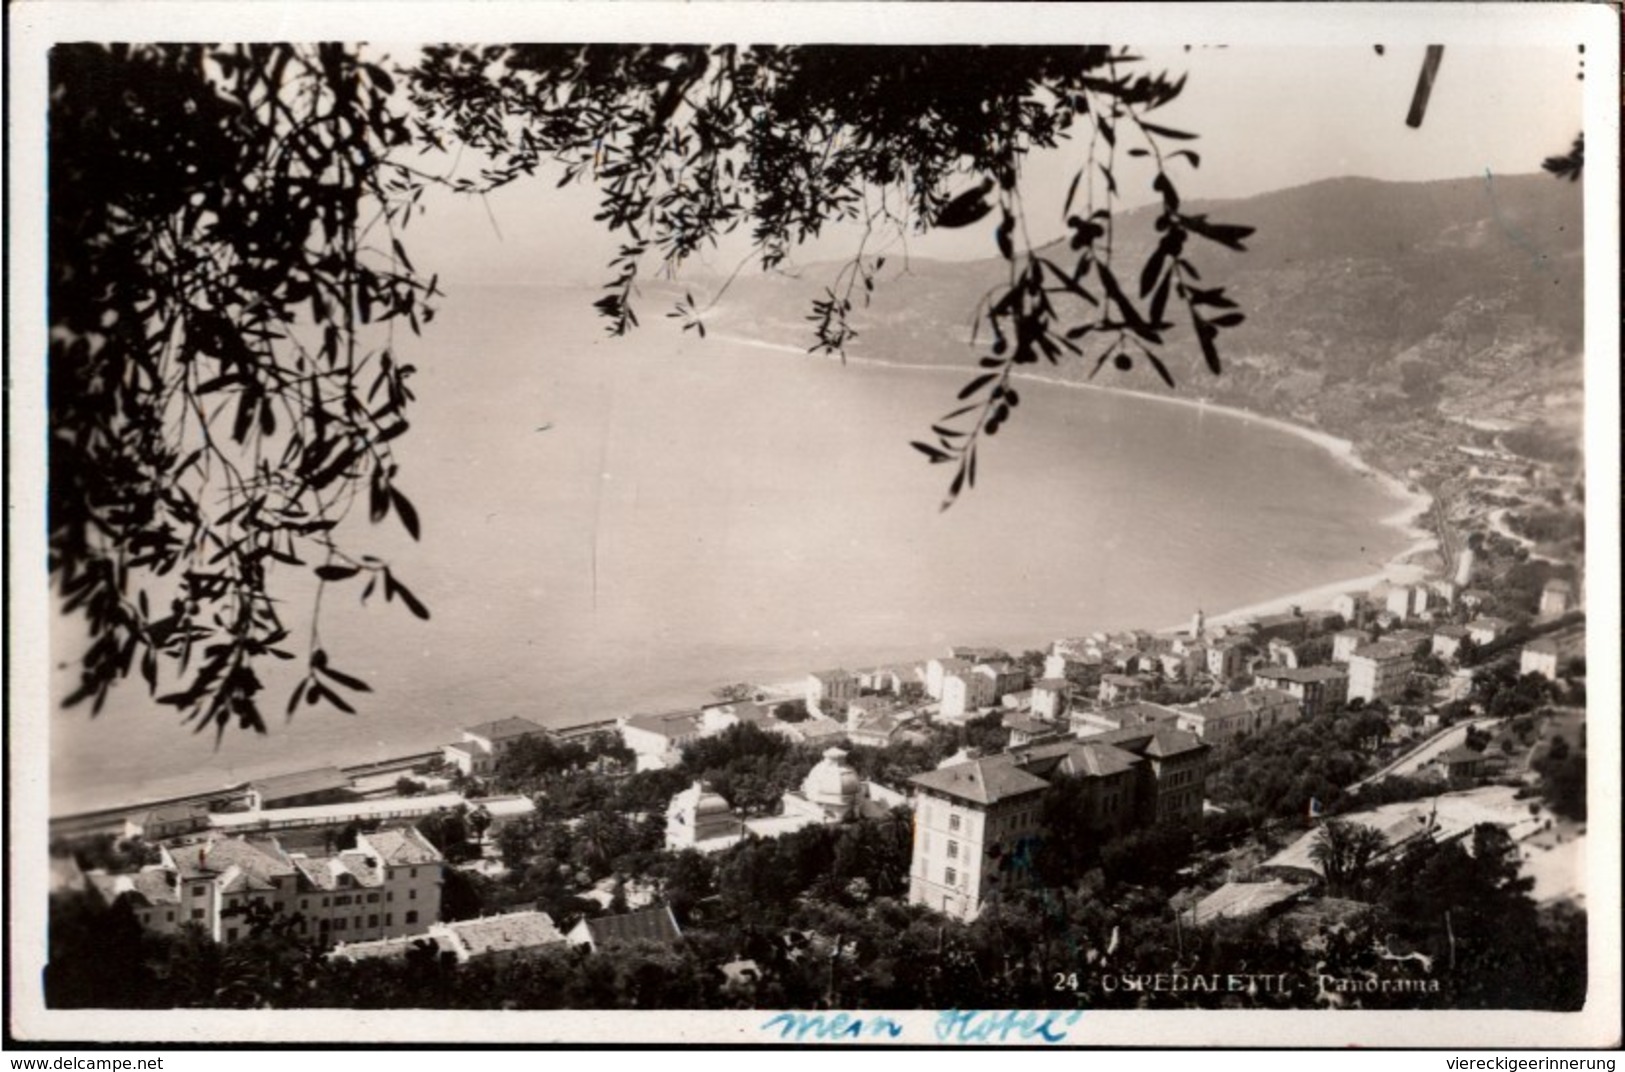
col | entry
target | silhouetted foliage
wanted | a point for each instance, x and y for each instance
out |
(225, 276)
(1571, 165)
(228, 266)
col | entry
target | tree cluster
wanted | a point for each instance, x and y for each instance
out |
(1275, 772)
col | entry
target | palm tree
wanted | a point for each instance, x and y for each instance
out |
(1344, 852)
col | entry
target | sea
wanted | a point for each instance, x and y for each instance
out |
(621, 525)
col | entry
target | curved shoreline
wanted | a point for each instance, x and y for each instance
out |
(1399, 568)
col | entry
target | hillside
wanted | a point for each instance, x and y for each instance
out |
(1412, 318)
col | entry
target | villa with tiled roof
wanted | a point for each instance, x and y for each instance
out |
(387, 885)
(477, 753)
(978, 821)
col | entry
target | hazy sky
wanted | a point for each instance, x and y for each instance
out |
(1270, 116)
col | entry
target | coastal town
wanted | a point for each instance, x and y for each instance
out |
(1423, 714)
(531, 660)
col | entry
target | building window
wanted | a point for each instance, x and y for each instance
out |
(171, 917)
(411, 895)
(412, 916)
(325, 901)
(197, 913)
(372, 920)
(372, 898)
(304, 903)
(231, 934)
(950, 876)
(389, 896)
(953, 850)
(389, 919)
(197, 891)
(340, 924)
(414, 873)
(953, 822)
(324, 924)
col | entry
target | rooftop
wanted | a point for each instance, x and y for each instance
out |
(1383, 650)
(262, 862)
(301, 783)
(505, 729)
(1301, 674)
(671, 724)
(981, 781)
(149, 886)
(1159, 740)
(505, 933)
(401, 847)
(650, 925)
(1237, 703)
(1235, 900)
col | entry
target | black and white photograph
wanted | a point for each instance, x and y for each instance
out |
(813, 524)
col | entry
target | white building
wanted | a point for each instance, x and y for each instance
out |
(1487, 630)
(699, 818)
(477, 753)
(1539, 657)
(1556, 598)
(1050, 698)
(937, 670)
(1379, 671)
(1345, 643)
(1350, 606)
(1238, 713)
(964, 692)
(387, 885)
(658, 740)
(824, 686)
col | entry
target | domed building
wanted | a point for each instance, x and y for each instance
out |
(832, 792)
(829, 793)
(700, 814)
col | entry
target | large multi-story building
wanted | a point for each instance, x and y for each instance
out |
(965, 691)
(1232, 715)
(1004, 677)
(1226, 658)
(1081, 668)
(1050, 698)
(978, 823)
(1316, 688)
(937, 671)
(824, 686)
(387, 885)
(1347, 642)
(1379, 671)
(1350, 607)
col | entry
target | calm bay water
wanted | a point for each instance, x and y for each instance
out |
(621, 525)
